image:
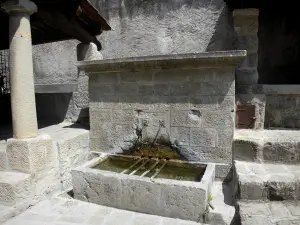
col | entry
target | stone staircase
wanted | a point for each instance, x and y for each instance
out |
(267, 176)
(19, 190)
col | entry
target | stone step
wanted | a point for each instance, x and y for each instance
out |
(15, 187)
(261, 181)
(269, 213)
(267, 146)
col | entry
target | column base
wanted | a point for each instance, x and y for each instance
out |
(32, 155)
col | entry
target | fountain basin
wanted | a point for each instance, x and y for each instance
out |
(171, 188)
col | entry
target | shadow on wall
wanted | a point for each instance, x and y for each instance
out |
(53, 108)
(143, 28)
(223, 36)
(279, 45)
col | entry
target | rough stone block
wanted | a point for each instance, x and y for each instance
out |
(181, 135)
(169, 76)
(226, 103)
(155, 119)
(15, 187)
(182, 89)
(190, 118)
(202, 75)
(126, 89)
(224, 74)
(109, 137)
(203, 137)
(146, 90)
(259, 182)
(47, 183)
(204, 102)
(208, 154)
(280, 152)
(100, 115)
(103, 78)
(102, 90)
(32, 155)
(3, 156)
(124, 116)
(81, 99)
(225, 138)
(72, 152)
(161, 89)
(247, 150)
(105, 102)
(217, 119)
(136, 77)
(149, 134)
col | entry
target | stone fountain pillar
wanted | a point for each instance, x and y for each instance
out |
(27, 152)
(248, 91)
(21, 68)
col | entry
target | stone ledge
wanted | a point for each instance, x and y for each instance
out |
(262, 181)
(194, 60)
(269, 213)
(55, 88)
(281, 89)
(267, 145)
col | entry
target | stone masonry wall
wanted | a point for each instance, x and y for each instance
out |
(283, 111)
(195, 105)
(139, 28)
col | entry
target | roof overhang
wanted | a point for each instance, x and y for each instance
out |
(58, 20)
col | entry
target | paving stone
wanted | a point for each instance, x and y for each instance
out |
(63, 211)
(95, 220)
(294, 208)
(289, 222)
(146, 220)
(256, 220)
(248, 209)
(278, 210)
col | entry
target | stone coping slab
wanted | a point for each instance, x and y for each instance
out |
(193, 60)
(164, 197)
(281, 89)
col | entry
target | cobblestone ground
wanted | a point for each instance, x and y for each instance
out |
(270, 213)
(60, 211)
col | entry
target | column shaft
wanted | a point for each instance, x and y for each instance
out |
(21, 77)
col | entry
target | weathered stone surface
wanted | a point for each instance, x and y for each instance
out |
(282, 110)
(15, 187)
(256, 181)
(273, 213)
(267, 145)
(203, 137)
(159, 197)
(31, 155)
(71, 212)
(193, 103)
(3, 156)
(191, 118)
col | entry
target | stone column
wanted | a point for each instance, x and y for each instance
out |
(85, 52)
(246, 28)
(21, 68)
(248, 91)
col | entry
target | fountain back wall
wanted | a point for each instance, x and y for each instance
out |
(187, 100)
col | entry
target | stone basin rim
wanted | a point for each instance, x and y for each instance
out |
(204, 59)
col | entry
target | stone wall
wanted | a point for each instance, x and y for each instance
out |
(282, 106)
(195, 106)
(139, 28)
